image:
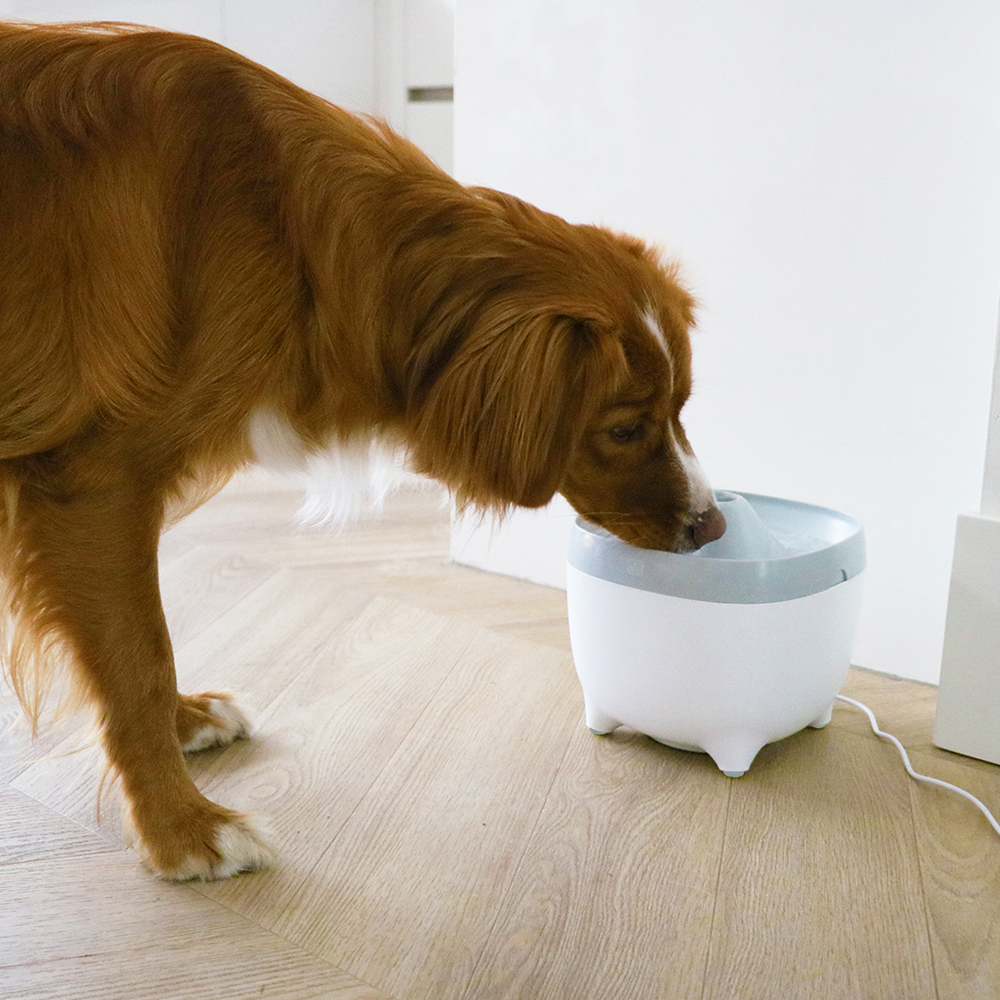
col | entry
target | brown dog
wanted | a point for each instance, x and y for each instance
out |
(202, 266)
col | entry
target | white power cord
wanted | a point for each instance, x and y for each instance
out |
(909, 769)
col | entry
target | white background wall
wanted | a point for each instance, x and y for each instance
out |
(830, 174)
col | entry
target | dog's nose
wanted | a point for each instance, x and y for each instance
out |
(711, 524)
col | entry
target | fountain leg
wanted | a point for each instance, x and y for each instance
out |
(600, 723)
(823, 718)
(733, 753)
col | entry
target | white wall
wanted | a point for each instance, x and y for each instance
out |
(429, 27)
(325, 46)
(830, 174)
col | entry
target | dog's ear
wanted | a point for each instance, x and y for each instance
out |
(502, 416)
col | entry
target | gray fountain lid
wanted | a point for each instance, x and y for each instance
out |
(773, 550)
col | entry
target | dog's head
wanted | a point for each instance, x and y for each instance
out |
(570, 377)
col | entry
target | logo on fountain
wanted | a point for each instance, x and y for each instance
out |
(636, 567)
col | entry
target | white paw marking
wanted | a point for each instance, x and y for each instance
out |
(241, 845)
(231, 724)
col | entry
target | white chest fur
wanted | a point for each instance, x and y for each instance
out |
(343, 481)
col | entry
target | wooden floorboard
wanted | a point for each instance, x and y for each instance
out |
(960, 866)
(98, 928)
(447, 828)
(441, 828)
(820, 893)
(21, 840)
(614, 896)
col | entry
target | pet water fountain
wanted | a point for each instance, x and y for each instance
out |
(726, 649)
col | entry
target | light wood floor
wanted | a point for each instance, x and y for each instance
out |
(449, 829)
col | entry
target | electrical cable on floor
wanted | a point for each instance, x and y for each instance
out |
(909, 769)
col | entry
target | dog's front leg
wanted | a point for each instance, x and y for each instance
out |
(89, 533)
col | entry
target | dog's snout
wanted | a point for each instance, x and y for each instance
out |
(711, 524)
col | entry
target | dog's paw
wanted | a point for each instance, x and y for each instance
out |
(241, 845)
(238, 843)
(207, 720)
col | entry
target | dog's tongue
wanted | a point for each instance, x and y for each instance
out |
(746, 535)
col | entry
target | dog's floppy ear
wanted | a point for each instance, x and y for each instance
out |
(500, 419)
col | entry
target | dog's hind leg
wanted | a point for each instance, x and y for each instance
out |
(87, 534)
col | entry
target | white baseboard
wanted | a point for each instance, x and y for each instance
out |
(968, 712)
(527, 544)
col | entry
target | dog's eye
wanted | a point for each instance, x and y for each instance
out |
(629, 432)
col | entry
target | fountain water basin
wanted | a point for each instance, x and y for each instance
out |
(726, 649)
